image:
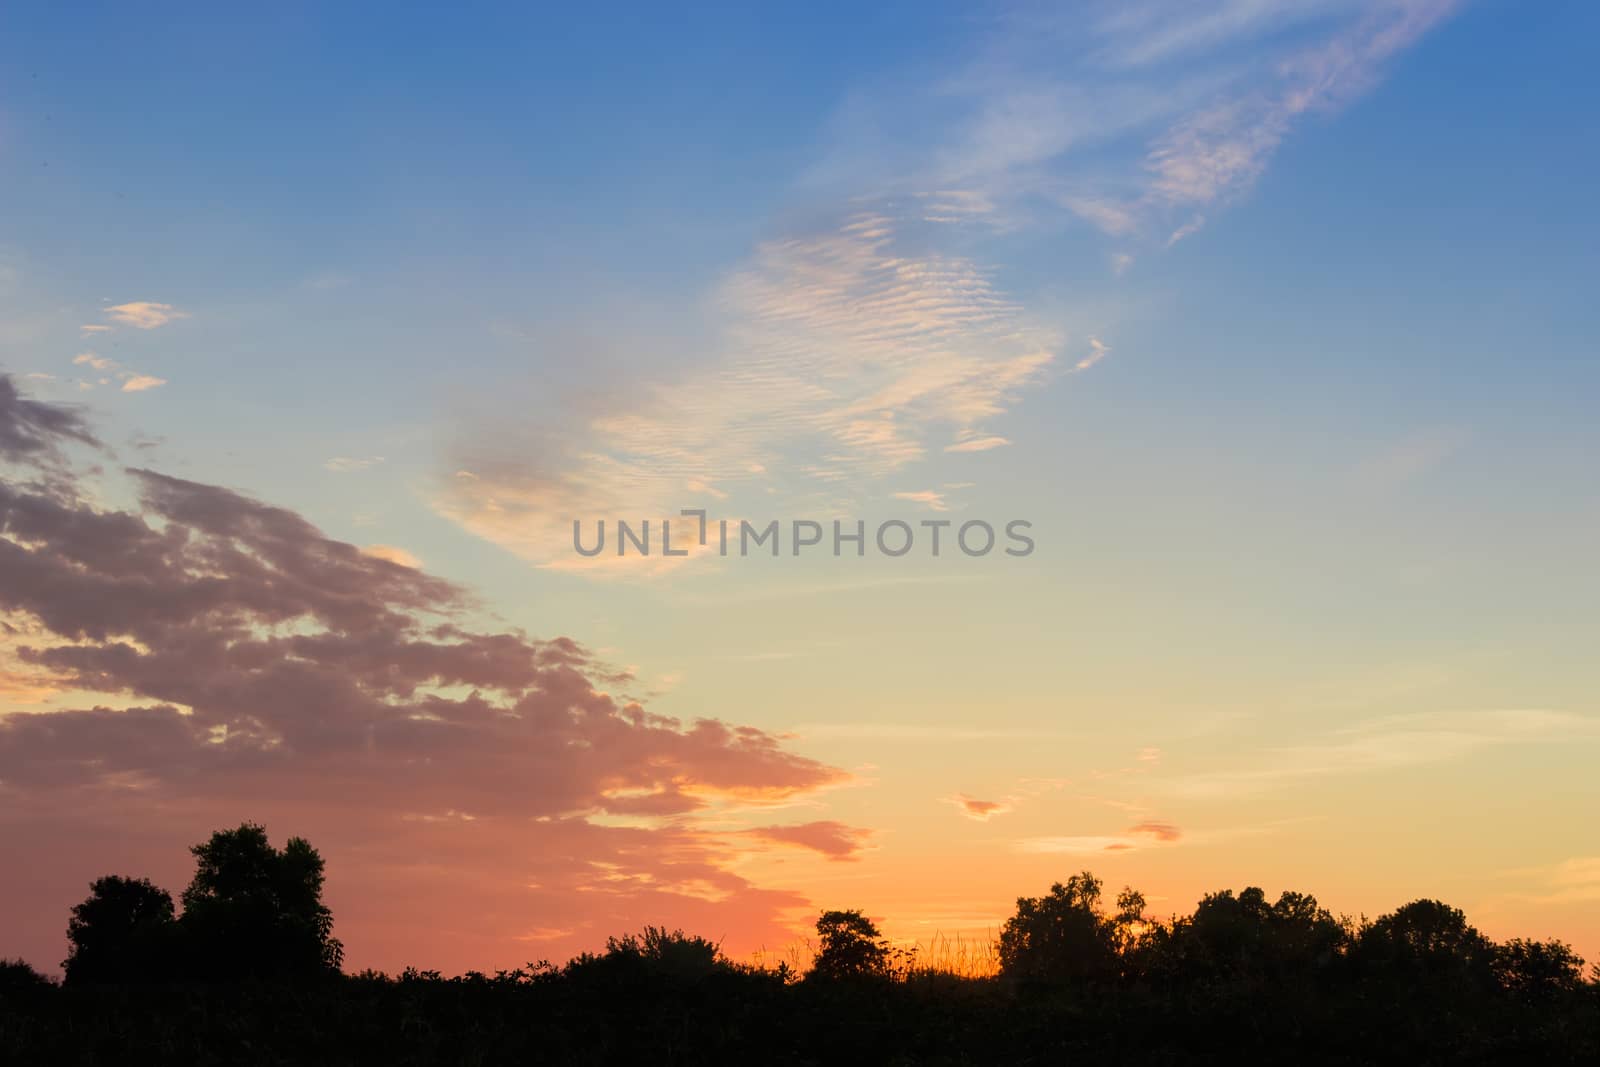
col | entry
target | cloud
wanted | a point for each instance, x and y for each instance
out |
(934, 500)
(132, 382)
(94, 328)
(1158, 831)
(842, 353)
(1097, 352)
(1139, 836)
(34, 431)
(846, 355)
(980, 810)
(834, 840)
(913, 732)
(1136, 116)
(1575, 880)
(393, 555)
(1188, 229)
(978, 443)
(351, 465)
(144, 314)
(241, 664)
(1390, 744)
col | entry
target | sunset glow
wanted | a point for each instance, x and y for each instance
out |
(1152, 438)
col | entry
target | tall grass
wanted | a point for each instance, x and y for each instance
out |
(960, 955)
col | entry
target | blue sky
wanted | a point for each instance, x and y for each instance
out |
(1275, 319)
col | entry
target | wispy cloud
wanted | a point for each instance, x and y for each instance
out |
(143, 314)
(834, 840)
(979, 810)
(394, 555)
(1139, 117)
(1140, 835)
(847, 356)
(1391, 744)
(914, 732)
(844, 354)
(976, 442)
(132, 381)
(351, 464)
(932, 498)
(1573, 881)
(1097, 352)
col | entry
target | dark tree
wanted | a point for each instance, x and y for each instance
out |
(1244, 936)
(123, 932)
(1063, 936)
(1537, 970)
(1429, 942)
(850, 946)
(256, 911)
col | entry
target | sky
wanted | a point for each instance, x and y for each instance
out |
(1272, 323)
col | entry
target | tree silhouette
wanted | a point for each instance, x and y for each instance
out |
(256, 911)
(1427, 940)
(850, 947)
(1238, 979)
(1537, 970)
(1063, 936)
(123, 932)
(1244, 936)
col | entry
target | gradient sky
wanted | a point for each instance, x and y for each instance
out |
(1276, 320)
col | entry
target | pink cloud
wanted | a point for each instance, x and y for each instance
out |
(981, 810)
(833, 839)
(248, 666)
(1159, 831)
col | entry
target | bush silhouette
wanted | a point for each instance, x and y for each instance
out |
(654, 953)
(17, 977)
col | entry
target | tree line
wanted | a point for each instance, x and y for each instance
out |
(1074, 973)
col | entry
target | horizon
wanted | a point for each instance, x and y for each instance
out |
(327, 343)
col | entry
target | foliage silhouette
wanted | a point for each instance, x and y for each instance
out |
(1237, 980)
(123, 931)
(19, 977)
(1244, 937)
(656, 953)
(850, 946)
(1063, 936)
(255, 911)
